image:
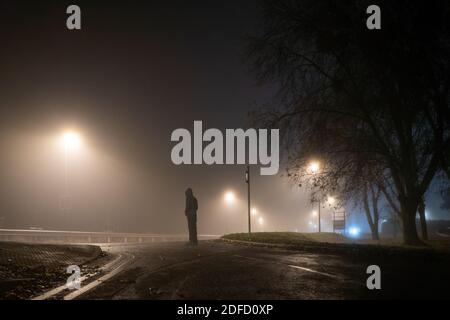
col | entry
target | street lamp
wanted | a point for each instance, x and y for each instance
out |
(229, 197)
(261, 221)
(314, 168)
(331, 200)
(247, 180)
(70, 141)
(254, 212)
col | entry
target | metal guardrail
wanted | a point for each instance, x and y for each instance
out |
(55, 236)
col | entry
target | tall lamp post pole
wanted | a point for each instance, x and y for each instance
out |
(71, 141)
(247, 179)
(314, 168)
(66, 200)
(65, 169)
(319, 216)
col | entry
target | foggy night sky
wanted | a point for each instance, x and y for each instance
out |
(135, 72)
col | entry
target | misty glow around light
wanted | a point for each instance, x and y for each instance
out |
(261, 221)
(354, 231)
(314, 213)
(314, 167)
(312, 225)
(229, 197)
(71, 140)
(254, 211)
(331, 200)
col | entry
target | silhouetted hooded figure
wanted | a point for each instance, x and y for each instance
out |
(191, 215)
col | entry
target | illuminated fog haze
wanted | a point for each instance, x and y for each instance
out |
(134, 73)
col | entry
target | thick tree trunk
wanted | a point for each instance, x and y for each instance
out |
(375, 233)
(410, 236)
(373, 227)
(373, 222)
(423, 221)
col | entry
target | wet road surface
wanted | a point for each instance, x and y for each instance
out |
(218, 270)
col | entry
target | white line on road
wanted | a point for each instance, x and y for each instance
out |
(95, 283)
(315, 271)
(293, 266)
(57, 290)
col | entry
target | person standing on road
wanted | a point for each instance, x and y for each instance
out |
(191, 215)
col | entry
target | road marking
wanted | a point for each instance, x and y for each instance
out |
(111, 263)
(293, 266)
(314, 271)
(59, 289)
(55, 291)
(95, 283)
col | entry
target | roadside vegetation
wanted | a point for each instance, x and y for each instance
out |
(332, 243)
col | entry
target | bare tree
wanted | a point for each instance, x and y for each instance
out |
(371, 200)
(358, 99)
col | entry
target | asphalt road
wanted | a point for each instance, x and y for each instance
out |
(217, 270)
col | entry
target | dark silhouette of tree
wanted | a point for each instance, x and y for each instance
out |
(372, 105)
(371, 200)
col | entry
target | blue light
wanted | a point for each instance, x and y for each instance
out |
(354, 231)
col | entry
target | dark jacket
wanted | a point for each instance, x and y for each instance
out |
(191, 204)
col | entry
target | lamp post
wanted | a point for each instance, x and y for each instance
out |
(314, 168)
(247, 180)
(70, 141)
(229, 198)
(319, 216)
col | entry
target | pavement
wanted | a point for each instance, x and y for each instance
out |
(214, 270)
(219, 270)
(28, 269)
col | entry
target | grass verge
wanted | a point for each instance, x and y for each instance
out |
(331, 243)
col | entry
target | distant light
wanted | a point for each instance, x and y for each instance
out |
(312, 225)
(261, 221)
(314, 167)
(229, 197)
(71, 140)
(314, 213)
(331, 200)
(354, 231)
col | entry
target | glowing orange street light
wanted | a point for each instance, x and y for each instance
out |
(229, 197)
(314, 167)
